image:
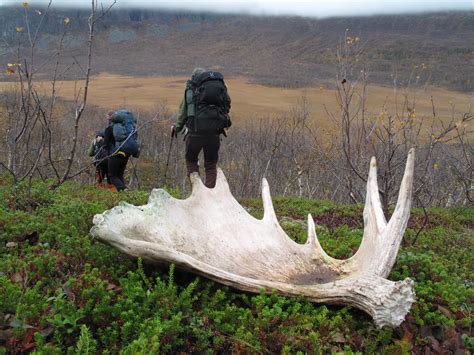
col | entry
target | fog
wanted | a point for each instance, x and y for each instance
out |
(311, 8)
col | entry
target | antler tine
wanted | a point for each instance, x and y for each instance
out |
(314, 242)
(374, 225)
(373, 213)
(312, 237)
(222, 186)
(402, 209)
(268, 210)
(395, 229)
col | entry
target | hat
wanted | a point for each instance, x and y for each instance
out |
(197, 71)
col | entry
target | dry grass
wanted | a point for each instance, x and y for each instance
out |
(251, 101)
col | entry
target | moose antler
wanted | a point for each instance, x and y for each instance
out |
(211, 234)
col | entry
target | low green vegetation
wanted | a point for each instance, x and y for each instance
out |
(63, 292)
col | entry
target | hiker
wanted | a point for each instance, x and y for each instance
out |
(98, 150)
(204, 110)
(121, 141)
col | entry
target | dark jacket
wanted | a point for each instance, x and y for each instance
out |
(109, 140)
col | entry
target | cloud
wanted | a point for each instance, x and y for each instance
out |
(311, 8)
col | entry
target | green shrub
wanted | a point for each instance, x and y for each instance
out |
(63, 292)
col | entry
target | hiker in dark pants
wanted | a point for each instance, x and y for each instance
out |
(98, 150)
(204, 110)
(210, 146)
(117, 161)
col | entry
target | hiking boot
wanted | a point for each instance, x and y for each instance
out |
(211, 173)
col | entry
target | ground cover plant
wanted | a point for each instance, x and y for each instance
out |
(63, 292)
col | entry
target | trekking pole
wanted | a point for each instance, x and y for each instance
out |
(168, 158)
(173, 134)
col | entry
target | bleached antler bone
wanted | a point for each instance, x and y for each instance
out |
(211, 234)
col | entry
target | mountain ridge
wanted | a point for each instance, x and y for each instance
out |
(279, 51)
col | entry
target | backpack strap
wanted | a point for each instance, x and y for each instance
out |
(190, 106)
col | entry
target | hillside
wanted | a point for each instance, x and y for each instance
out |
(281, 51)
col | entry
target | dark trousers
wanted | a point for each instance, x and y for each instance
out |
(210, 145)
(102, 170)
(116, 166)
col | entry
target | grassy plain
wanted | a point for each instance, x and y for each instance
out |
(251, 101)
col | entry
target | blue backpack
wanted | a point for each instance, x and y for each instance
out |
(125, 133)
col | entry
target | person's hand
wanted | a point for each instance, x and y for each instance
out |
(174, 132)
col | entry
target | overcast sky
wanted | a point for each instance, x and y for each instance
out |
(314, 8)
